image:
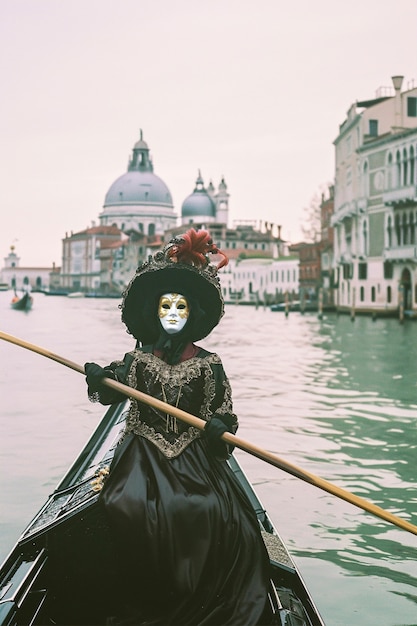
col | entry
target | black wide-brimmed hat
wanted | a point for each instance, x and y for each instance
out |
(181, 267)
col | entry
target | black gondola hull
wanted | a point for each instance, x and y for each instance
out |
(63, 568)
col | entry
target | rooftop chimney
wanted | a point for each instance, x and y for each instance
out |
(397, 81)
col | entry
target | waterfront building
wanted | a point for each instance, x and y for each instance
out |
(253, 250)
(20, 277)
(316, 258)
(261, 280)
(375, 206)
(88, 258)
(327, 280)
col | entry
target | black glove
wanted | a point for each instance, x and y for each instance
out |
(95, 375)
(214, 429)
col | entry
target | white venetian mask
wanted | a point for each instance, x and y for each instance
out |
(173, 312)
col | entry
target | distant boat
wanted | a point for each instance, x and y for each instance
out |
(94, 294)
(22, 304)
(76, 294)
(295, 305)
(53, 292)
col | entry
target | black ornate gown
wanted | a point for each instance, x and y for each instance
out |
(190, 548)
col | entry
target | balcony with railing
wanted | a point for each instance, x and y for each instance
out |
(401, 196)
(401, 253)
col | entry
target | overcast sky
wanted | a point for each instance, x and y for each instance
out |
(250, 90)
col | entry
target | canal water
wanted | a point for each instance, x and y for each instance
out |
(336, 398)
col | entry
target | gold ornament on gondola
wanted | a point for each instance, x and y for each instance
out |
(100, 477)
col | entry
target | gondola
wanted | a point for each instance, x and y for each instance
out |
(22, 304)
(60, 572)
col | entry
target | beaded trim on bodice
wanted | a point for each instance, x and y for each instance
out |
(152, 375)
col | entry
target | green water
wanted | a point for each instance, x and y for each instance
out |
(336, 398)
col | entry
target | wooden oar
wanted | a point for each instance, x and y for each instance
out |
(260, 453)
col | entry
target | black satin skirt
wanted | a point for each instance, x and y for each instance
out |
(188, 540)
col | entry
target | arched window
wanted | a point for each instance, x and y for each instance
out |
(405, 229)
(365, 180)
(412, 228)
(398, 170)
(398, 229)
(389, 294)
(151, 229)
(390, 184)
(389, 232)
(405, 167)
(373, 294)
(362, 294)
(412, 166)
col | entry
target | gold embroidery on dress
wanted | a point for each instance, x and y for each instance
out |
(172, 378)
(170, 450)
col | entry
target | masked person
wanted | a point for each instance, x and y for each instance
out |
(189, 546)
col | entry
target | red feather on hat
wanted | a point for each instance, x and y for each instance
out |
(193, 247)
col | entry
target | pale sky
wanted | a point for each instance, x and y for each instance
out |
(250, 90)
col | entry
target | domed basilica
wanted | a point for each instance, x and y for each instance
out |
(140, 201)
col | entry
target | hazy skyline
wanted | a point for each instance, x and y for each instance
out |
(252, 91)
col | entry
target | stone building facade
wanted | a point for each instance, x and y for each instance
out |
(375, 212)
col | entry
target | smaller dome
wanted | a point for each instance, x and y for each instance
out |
(199, 203)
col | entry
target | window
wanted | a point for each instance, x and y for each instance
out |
(389, 233)
(405, 163)
(389, 294)
(388, 269)
(373, 294)
(362, 271)
(373, 128)
(412, 107)
(362, 294)
(348, 270)
(405, 229)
